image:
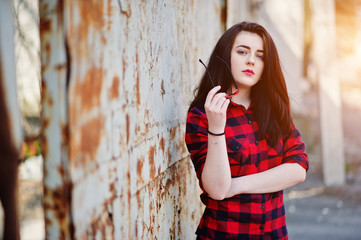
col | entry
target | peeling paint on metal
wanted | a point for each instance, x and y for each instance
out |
(87, 92)
(90, 135)
(88, 17)
(114, 89)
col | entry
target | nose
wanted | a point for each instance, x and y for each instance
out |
(251, 59)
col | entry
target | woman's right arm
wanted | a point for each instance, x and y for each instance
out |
(216, 174)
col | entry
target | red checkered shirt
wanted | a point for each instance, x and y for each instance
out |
(244, 216)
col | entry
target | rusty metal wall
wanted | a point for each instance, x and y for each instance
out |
(117, 78)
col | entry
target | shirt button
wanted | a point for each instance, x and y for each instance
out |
(256, 142)
(262, 206)
(236, 148)
(257, 164)
(261, 227)
(249, 121)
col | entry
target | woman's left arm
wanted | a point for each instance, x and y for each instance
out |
(273, 180)
(291, 171)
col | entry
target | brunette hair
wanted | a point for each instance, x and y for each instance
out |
(269, 96)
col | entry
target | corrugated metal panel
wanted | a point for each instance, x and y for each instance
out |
(122, 73)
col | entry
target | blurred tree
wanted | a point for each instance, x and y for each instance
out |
(27, 58)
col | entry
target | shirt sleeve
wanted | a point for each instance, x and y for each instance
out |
(197, 139)
(294, 149)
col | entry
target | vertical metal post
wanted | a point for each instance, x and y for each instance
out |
(54, 120)
(325, 58)
(10, 127)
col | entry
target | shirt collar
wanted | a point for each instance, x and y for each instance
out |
(235, 105)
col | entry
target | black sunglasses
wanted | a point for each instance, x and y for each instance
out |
(209, 75)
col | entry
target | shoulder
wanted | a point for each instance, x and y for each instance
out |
(196, 112)
(196, 120)
(293, 133)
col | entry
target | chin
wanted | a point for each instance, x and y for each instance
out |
(246, 84)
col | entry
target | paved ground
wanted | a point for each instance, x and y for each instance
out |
(315, 212)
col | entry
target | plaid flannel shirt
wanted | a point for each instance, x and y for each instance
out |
(244, 216)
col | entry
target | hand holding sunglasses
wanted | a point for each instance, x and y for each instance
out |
(209, 75)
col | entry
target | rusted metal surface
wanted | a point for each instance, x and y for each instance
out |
(117, 80)
(10, 127)
(57, 185)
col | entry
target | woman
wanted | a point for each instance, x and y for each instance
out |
(243, 144)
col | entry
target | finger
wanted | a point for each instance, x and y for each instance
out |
(211, 94)
(225, 104)
(220, 101)
(217, 98)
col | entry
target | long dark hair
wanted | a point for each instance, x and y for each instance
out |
(269, 96)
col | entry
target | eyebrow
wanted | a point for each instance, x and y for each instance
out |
(245, 46)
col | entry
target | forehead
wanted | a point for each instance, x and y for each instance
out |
(252, 40)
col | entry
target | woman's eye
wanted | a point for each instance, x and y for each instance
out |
(242, 52)
(260, 57)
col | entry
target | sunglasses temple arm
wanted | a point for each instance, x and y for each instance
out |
(209, 75)
(233, 94)
(230, 72)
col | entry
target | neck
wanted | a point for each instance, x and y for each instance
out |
(243, 97)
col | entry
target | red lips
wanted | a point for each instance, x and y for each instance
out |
(249, 72)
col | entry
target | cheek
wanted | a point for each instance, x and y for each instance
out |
(236, 63)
